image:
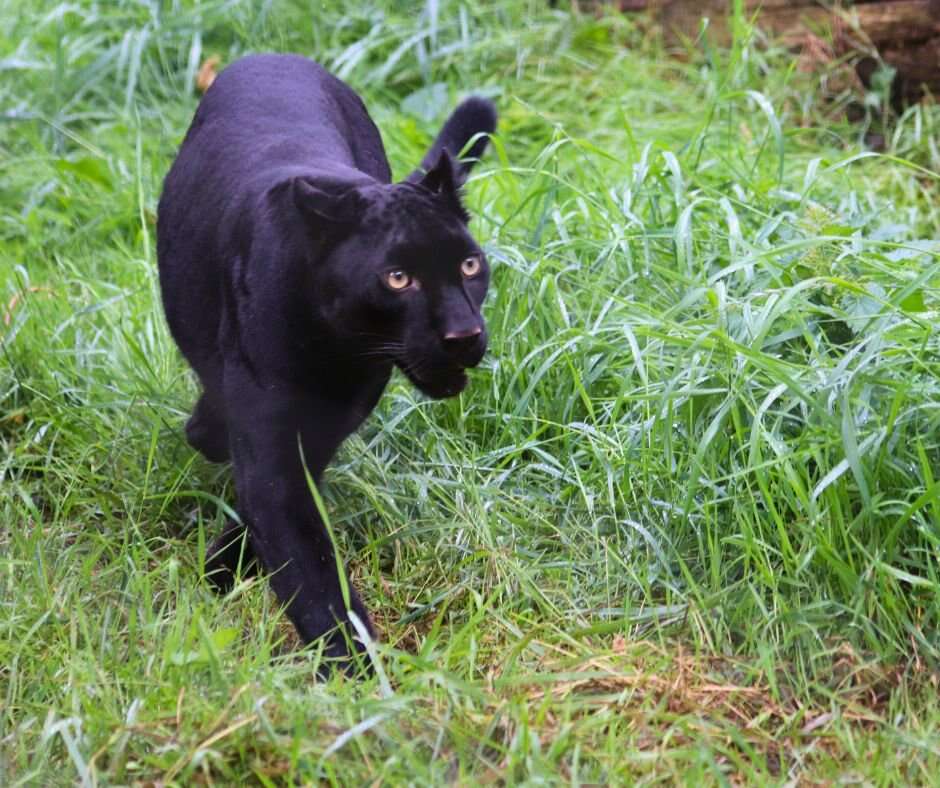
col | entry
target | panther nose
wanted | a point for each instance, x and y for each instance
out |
(465, 345)
(469, 333)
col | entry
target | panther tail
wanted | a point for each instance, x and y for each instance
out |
(474, 116)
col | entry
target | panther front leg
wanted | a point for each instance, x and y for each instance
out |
(267, 426)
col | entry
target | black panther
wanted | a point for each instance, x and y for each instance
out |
(295, 276)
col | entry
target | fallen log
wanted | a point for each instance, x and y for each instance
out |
(881, 20)
(904, 33)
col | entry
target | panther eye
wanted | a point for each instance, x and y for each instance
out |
(398, 280)
(471, 267)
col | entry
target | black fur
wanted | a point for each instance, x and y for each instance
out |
(278, 229)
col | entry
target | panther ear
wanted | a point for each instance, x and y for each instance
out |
(333, 202)
(442, 177)
(443, 180)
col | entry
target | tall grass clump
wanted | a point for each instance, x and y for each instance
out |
(684, 525)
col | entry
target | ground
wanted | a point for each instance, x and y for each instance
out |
(684, 524)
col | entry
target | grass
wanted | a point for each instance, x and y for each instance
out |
(684, 526)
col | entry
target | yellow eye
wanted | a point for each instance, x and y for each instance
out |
(398, 280)
(471, 267)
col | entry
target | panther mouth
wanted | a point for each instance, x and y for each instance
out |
(438, 382)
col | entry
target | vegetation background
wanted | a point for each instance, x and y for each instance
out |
(683, 526)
